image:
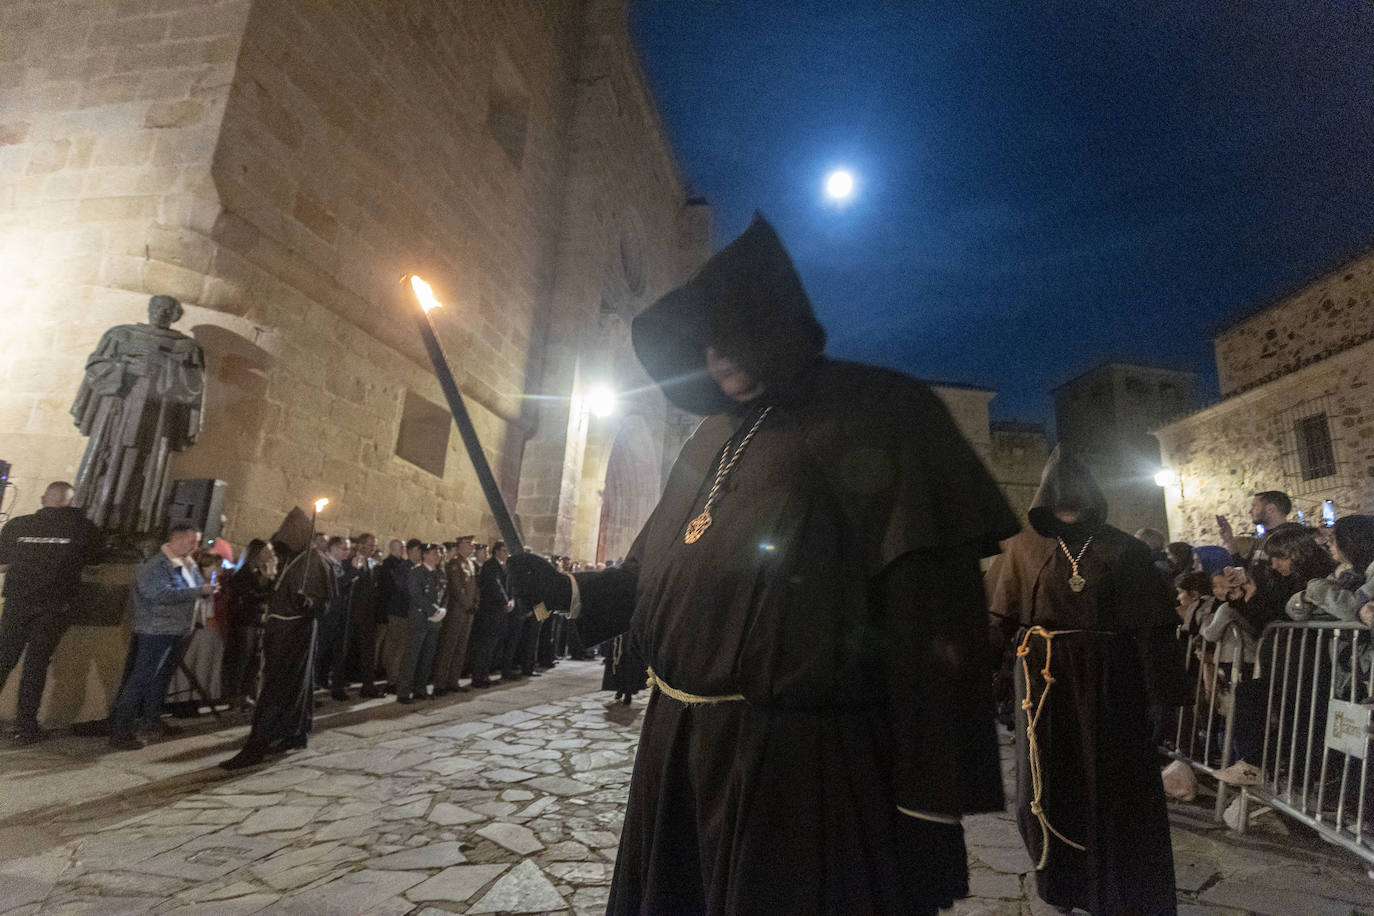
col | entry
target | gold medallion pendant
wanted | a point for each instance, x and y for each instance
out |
(697, 527)
(1076, 581)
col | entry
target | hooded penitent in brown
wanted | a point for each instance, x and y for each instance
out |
(823, 711)
(1106, 633)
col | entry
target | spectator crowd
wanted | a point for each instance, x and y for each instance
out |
(300, 612)
(1228, 593)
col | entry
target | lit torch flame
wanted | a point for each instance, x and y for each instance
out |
(424, 293)
(321, 503)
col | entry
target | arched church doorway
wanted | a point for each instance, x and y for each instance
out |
(621, 484)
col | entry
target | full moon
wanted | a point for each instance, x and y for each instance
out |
(839, 184)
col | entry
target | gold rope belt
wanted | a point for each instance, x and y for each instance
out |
(682, 696)
(1032, 746)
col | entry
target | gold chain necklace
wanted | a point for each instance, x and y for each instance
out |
(1076, 582)
(697, 526)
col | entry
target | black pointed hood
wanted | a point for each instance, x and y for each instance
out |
(1066, 483)
(747, 301)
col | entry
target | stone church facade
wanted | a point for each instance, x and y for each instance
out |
(278, 165)
(1296, 412)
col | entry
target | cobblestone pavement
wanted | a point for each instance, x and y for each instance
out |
(502, 801)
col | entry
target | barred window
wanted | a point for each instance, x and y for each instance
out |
(1316, 457)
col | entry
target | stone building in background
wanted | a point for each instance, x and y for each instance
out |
(1296, 412)
(278, 165)
(1107, 416)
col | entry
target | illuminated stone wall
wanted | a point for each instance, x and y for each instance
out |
(278, 166)
(1305, 356)
(1245, 444)
(109, 117)
(1322, 318)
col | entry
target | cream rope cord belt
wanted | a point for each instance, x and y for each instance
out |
(1032, 747)
(691, 699)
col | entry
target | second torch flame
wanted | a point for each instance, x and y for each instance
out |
(425, 293)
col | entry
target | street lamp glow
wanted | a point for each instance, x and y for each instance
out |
(601, 401)
(425, 293)
(321, 503)
(1166, 478)
(839, 185)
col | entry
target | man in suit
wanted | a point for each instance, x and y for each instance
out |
(494, 609)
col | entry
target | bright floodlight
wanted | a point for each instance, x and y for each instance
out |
(321, 503)
(839, 185)
(424, 293)
(601, 401)
(1166, 478)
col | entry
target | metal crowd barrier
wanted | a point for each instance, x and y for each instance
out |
(1318, 723)
(1202, 738)
(1317, 729)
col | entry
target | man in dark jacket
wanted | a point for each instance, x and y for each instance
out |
(41, 556)
(362, 620)
(425, 590)
(331, 650)
(397, 569)
(807, 598)
(494, 607)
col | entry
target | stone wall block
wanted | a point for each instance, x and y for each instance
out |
(170, 280)
(209, 19)
(123, 272)
(14, 132)
(273, 116)
(179, 113)
(129, 32)
(225, 296)
(48, 156)
(179, 247)
(117, 208)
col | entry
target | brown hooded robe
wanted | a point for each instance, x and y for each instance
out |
(1101, 782)
(837, 592)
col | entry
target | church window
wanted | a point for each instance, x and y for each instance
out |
(423, 439)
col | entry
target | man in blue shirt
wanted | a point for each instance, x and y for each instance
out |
(166, 589)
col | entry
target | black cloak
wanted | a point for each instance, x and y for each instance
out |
(836, 595)
(1116, 657)
(285, 710)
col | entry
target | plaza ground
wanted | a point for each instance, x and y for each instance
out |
(503, 801)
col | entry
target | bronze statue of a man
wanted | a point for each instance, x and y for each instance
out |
(142, 398)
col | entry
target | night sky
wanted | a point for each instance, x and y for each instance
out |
(1042, 186)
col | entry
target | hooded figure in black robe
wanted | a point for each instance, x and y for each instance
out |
(285, 710)
(1096, 624)
(822, 709)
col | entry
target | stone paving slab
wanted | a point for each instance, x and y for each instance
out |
(502, 802)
